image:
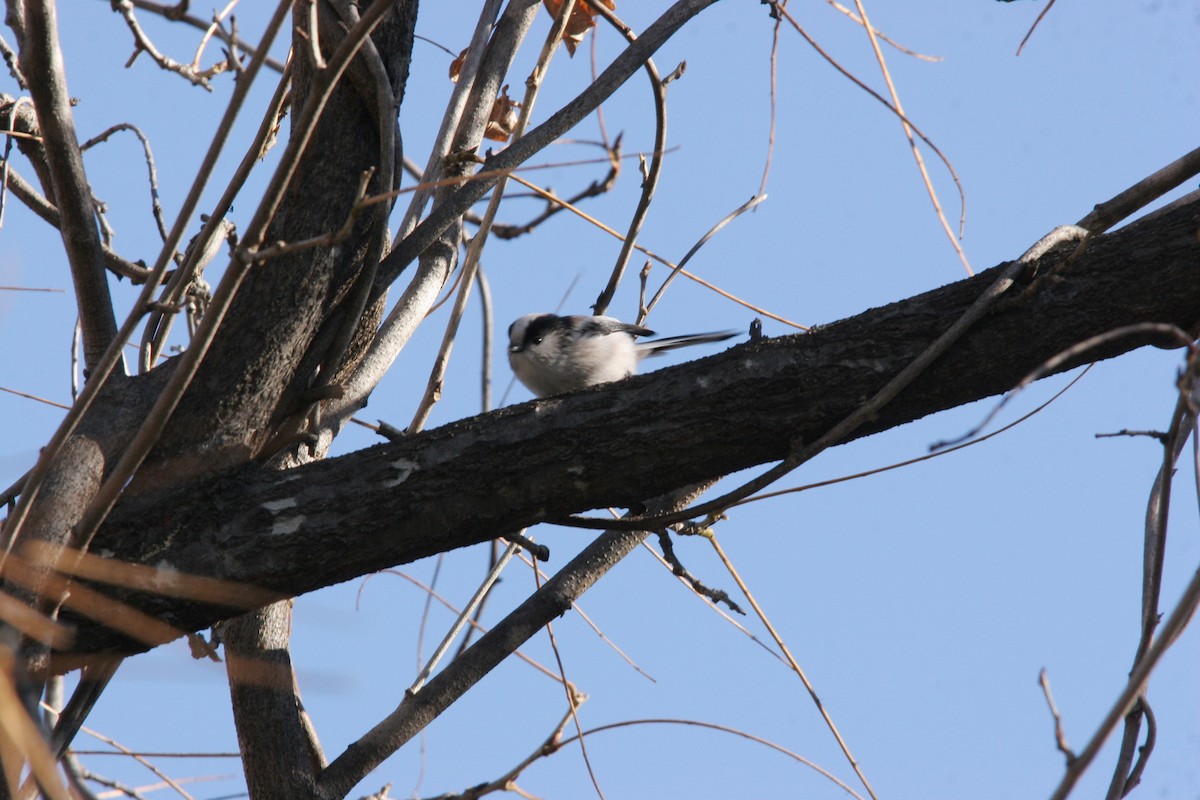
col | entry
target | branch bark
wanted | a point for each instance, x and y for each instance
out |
(42, 65)
(323, 523)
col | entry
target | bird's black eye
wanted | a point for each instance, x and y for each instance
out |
(538, 339)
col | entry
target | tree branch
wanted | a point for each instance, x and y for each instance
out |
(41, 63)
(323, 523)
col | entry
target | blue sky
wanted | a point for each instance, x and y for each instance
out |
(921, 602)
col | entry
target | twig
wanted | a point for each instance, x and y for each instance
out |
(726, 729)
(937, 454)
(213, 27)
(231, 39)
(795, 665)
(906, 50)
(39, 205)
(909, 124)
(463, 618)
(710, 604)
(1174, 625)
(713, 231)
(772, 104)
(1060, 737)
(155, 201)
(485, 358)
(504, 783)
(660, 259)
(593, 189)
(546, 604)
(908, 133)
(1036, 22)
(28, 396)
(1126, 774)
(681, 572)
(587, 620)
(1145, 191)
(1169, 333)
(108, 740)
(650, 181)
(142, 44)
(433, 595)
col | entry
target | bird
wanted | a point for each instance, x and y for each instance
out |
(552, 354)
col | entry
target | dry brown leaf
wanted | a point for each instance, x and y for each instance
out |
(580, 21)
(456, 65)
(503, 119)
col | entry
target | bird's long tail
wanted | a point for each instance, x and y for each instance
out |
(666, 343)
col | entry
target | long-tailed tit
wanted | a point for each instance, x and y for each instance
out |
(552, 354)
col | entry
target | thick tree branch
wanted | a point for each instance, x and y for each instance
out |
(331, 521)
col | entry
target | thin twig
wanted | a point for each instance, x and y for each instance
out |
(1036, 22)
(734, 731)
(713, 231)
(664, 261)
(880, 98)
(171, 12)
(1169, 333)
(908, 133)
(1145, 191)
(142, 44)
(650, 182)
(155, 201)
(1060, 737)
(463, 619)
(907, 462)
(795, 665)
(906, 50)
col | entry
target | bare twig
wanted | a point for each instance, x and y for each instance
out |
(725, 729)
(690, 580)
(142, 44)
(1060, 737)
(658, 89)
(1036, 22)
(1127, 774)
(155, 202)
(27, 194)
(795, 665)
(171, 12)
(908, 133)
(1171, 336)
(1172, 627)
(908, 123)
(1145, 191)
(463, 618)
(416, 711)
(655, 256)
(593, 189)
(906, 50)
(936, 454)
(713, 231)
